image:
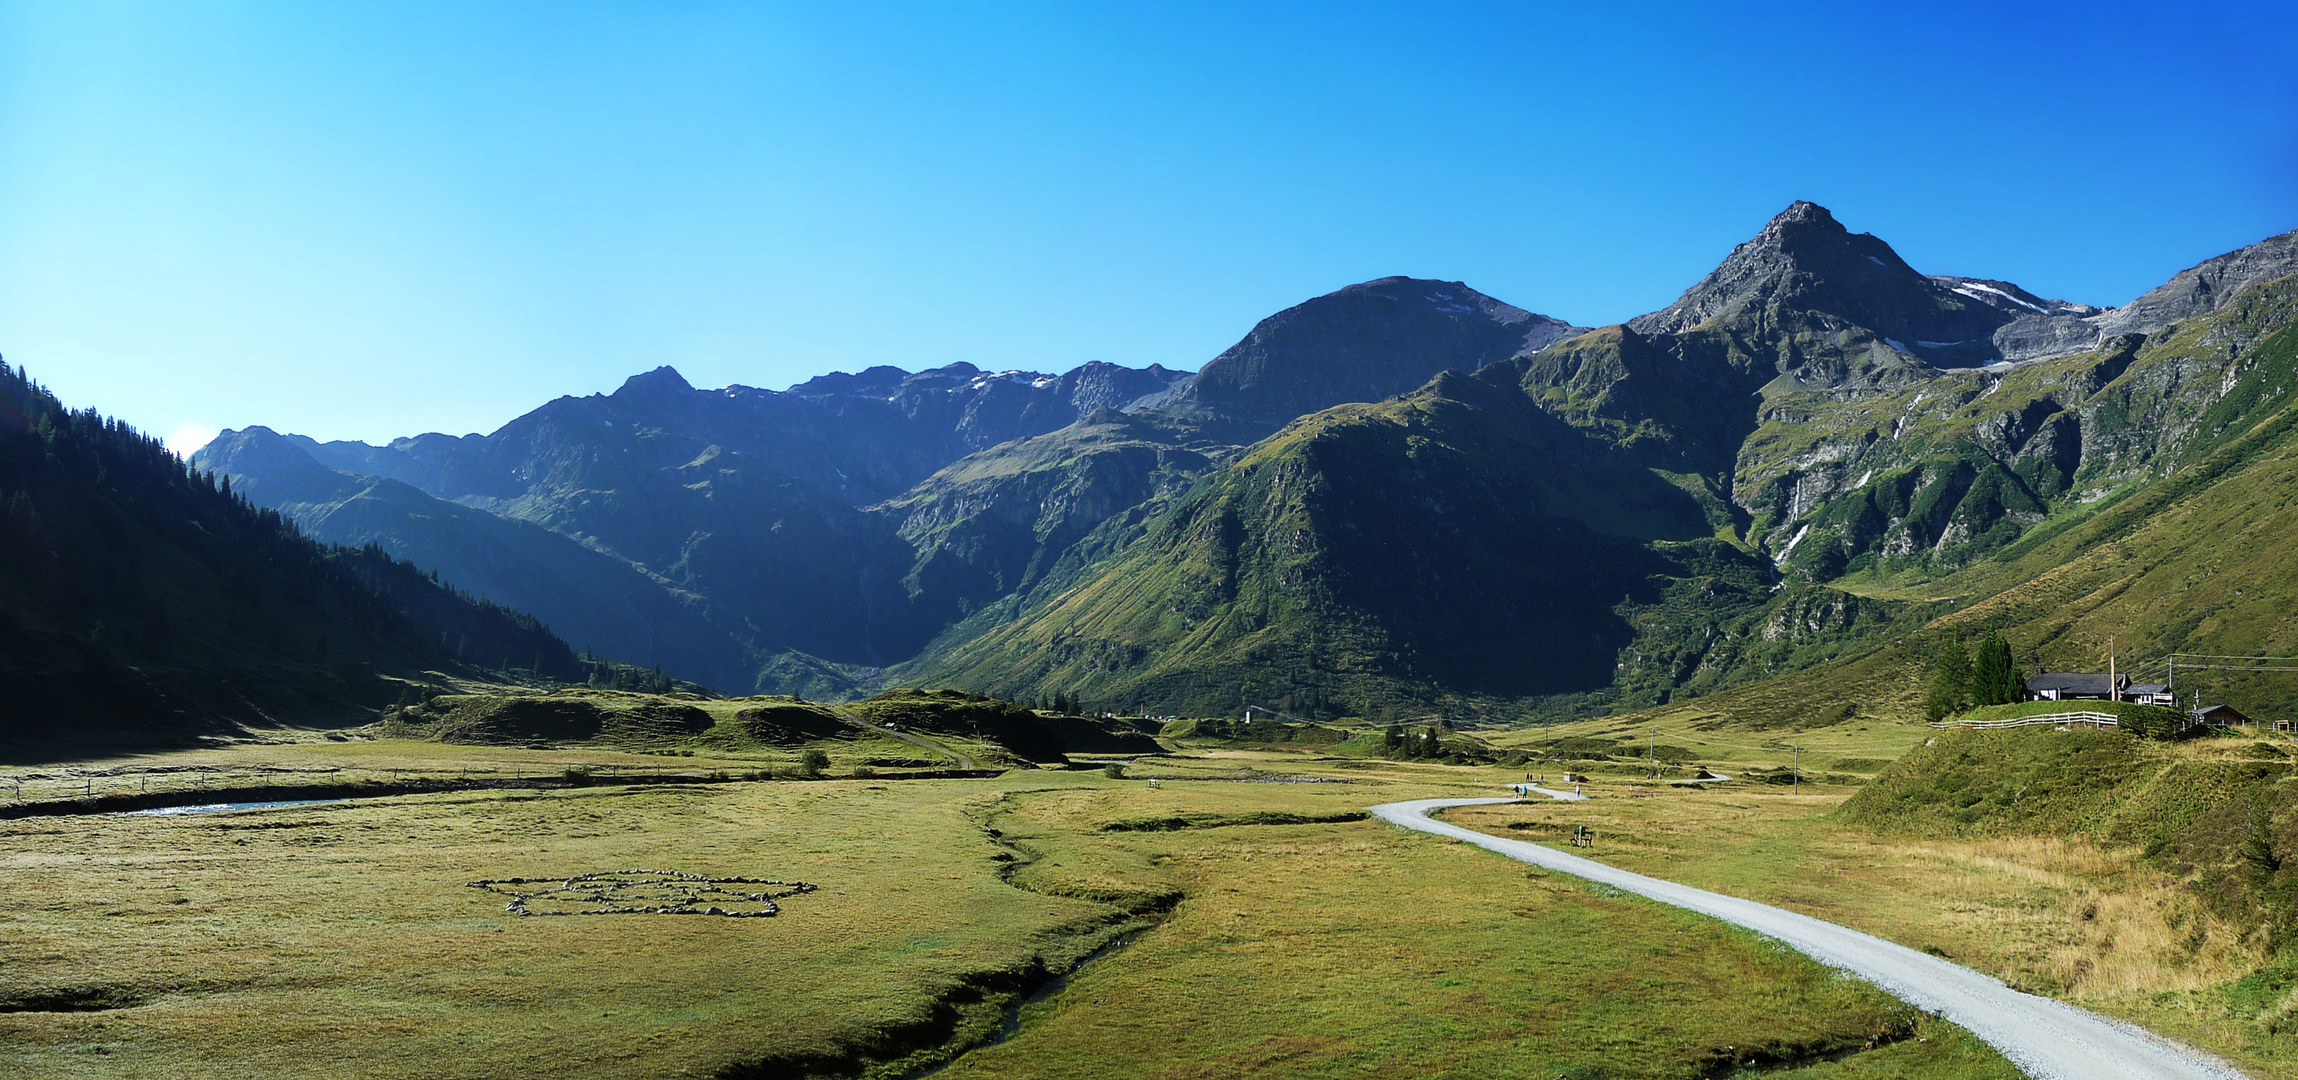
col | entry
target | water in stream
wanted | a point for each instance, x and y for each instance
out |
(1012, 1025)
(217, 808)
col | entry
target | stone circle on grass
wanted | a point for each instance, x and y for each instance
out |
(643, 892)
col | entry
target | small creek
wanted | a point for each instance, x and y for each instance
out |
(218, 808)
(1012, 1024)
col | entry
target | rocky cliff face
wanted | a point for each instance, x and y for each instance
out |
(2042, 329)
(1805, 273)
(1938, 475)
(2206, 287)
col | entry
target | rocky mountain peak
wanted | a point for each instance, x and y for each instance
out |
(1805, 272)
(661, 380)
(1364, 342)
(1802, 220)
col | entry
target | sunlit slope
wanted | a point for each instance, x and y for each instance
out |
(2199, 562)
(2186, 545)
(1961, 468)
(1458, 539)
(991, 527)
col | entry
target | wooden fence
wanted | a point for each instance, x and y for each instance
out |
(2087, 719)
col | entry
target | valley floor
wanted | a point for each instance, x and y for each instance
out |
(1268, 929)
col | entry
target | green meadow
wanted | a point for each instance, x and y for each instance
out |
(1241, 920)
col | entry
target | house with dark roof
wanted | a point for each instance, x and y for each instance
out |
(2219, 715)
(2076, 686)
(2150, 694)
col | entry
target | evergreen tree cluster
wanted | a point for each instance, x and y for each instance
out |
(1960, 682)
(1994, 675)
(1407, 744)
(608, 675)
(1060, 701)
(136, 587)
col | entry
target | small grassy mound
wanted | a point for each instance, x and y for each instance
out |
(2213, 811)
(1023, 731)
(2150, 720)
(786, 723)
(565, 716)
(2020, 781)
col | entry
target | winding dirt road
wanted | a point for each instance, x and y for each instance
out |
(2049, 1040)
(959, 760)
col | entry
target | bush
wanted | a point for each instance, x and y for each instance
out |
(864, 772)
(812, 762)
(1115, 770)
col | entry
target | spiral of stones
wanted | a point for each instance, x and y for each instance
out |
(599, 888)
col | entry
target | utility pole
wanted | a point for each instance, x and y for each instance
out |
(1795, 770)
(2114, 692)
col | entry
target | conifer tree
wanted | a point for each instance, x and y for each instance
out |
(1950, 681)
(1994, 676)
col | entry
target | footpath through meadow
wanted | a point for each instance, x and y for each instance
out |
(2049, 1040)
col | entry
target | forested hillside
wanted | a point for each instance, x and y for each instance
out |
(143, 598)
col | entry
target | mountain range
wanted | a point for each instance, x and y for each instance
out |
(1400, 495)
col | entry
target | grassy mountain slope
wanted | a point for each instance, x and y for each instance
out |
(1811, 452)
(2198, 561)
(995, 523)
(1934, 476)
(1455, 540)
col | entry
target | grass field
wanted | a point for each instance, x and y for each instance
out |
(2062, 899)
(342, 940)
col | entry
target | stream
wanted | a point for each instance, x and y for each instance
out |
(221, 807)
(1012, 1023)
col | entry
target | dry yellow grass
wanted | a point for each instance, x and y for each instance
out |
(2064, 917)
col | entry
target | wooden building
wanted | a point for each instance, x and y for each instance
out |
(2077, 686)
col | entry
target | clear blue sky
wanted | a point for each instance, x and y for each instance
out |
(367, 220)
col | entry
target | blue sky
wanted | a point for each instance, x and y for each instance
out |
(365, 220)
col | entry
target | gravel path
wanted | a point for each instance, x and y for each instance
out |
(962, 761)
(2049, 1040)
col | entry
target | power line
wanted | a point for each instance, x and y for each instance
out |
(1733, 746)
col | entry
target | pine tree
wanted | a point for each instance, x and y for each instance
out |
(1950, 681)
(1994, 676)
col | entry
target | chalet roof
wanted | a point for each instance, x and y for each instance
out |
(2225, 712)
(2146, 688)
(2075, 682)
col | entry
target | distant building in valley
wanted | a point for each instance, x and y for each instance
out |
(2149, 694)
(2219, 715)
